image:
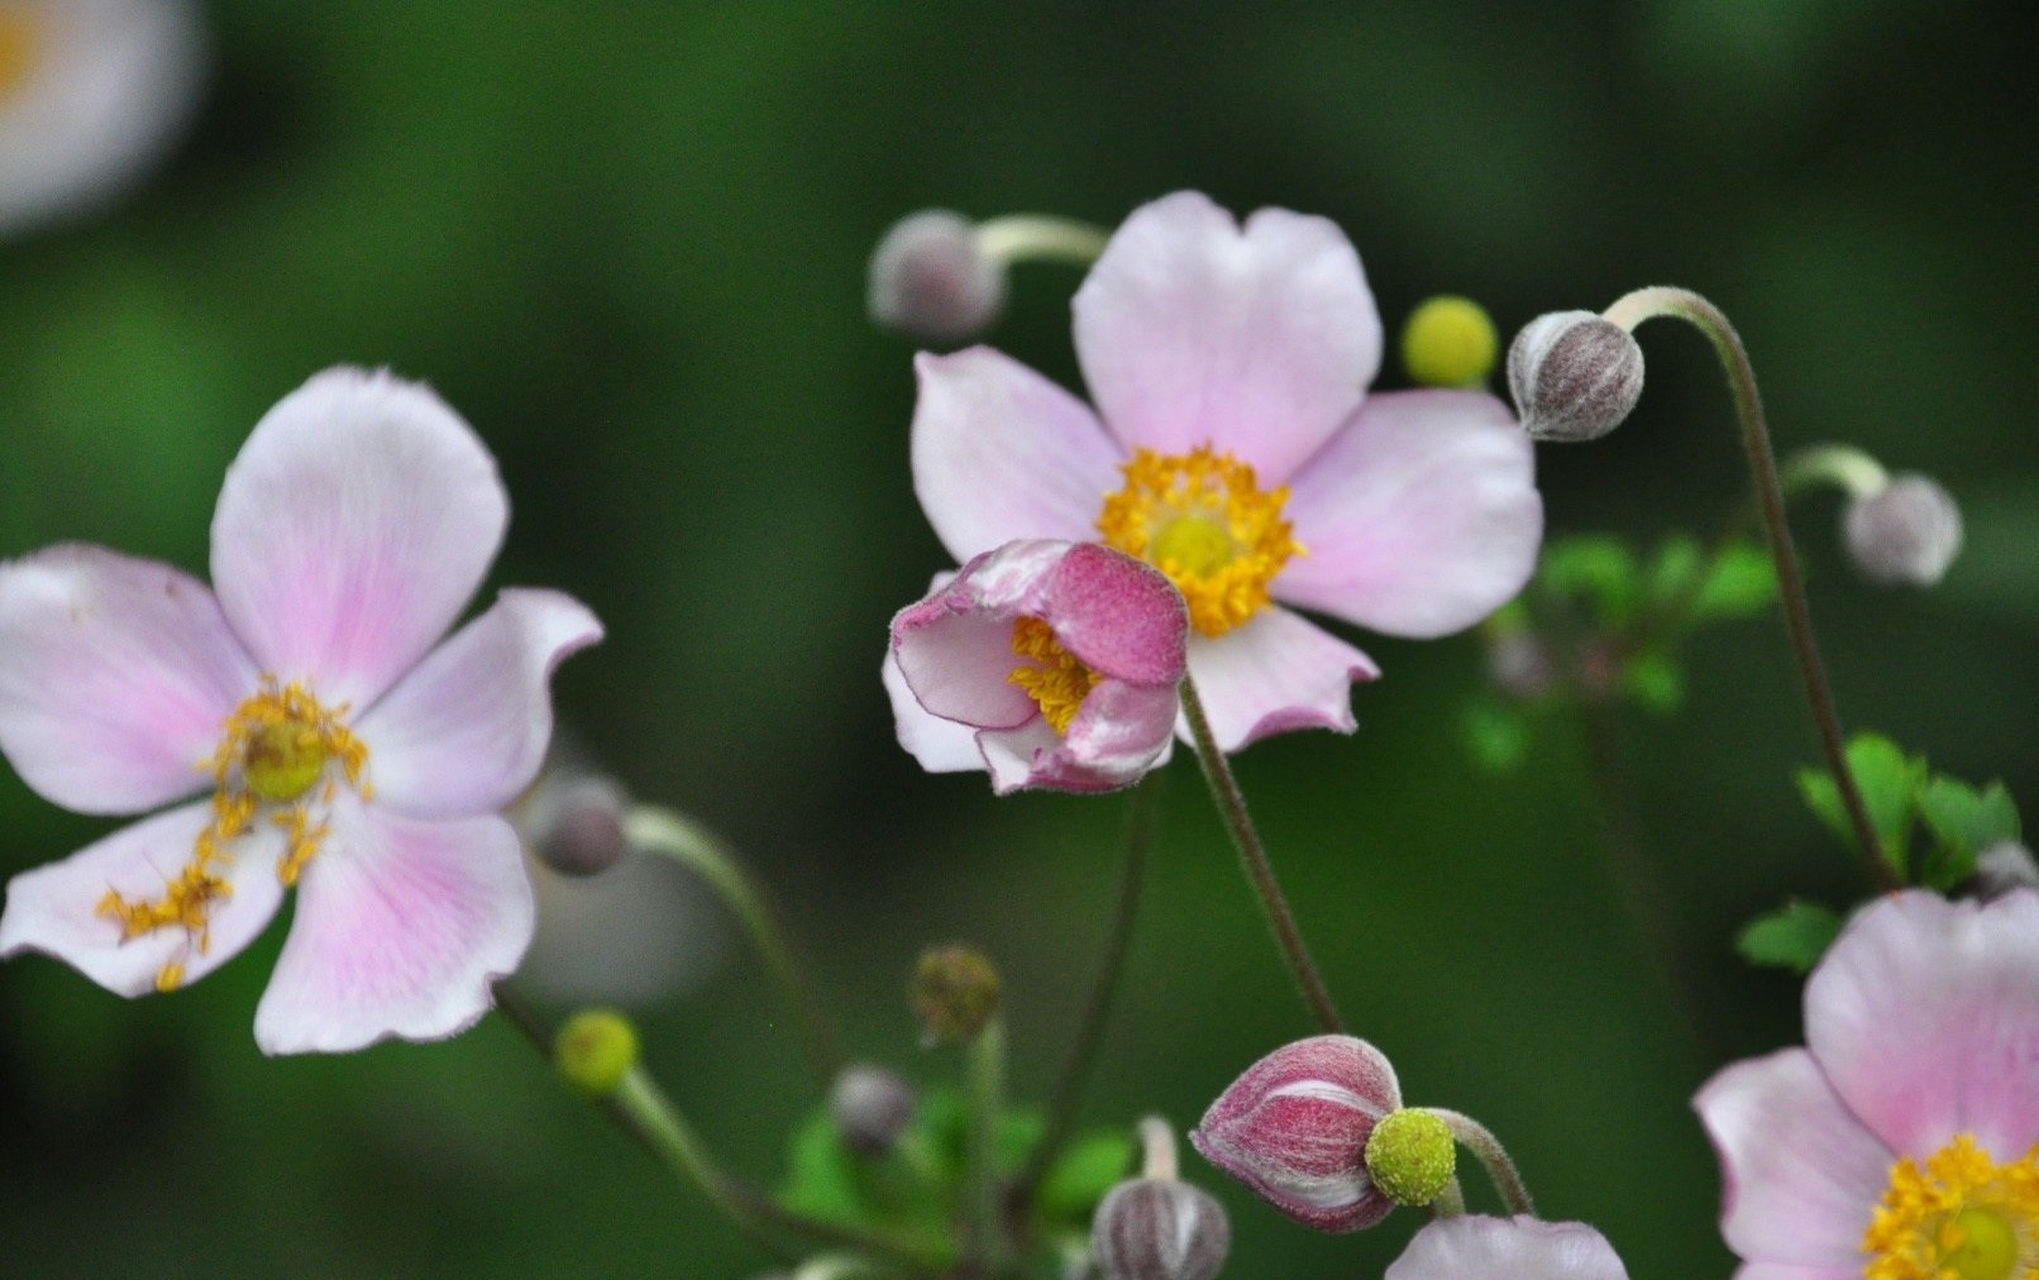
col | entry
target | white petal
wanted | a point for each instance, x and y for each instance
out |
(1278, 672)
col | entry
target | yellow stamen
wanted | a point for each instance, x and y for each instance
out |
(1054, 679)
(1962, 1217)
(21, 41)
(1201, 518)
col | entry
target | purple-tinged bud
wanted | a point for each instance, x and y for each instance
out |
(871, 1107)
(955, 993)
(1575, 375)
(1519, 664)
(1294, 1129)
(931, 279)
(2002, 868)
(1907, 532)
(1159, 1229)
(575, 823)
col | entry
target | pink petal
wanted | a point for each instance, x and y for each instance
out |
(1925, 1017)
(941, 746)
(401, 928)
(955, 647)
(353, 527)
(999, 453)
(1276, 673)
(1259, 342)
(55, 908)
(1474, 1247)
(465, 731)
(1021, 757)
(116, 677)
(1117, 616)
(1119, 733)
(1785, 1271)
(1420, 518)
(1801, 1174)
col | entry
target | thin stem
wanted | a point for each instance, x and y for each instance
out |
(1037, 237)
(1450, 1202)
(983, 1206)
(696, 848)
(1157, 1149)
(1643, 304)
(1474, 1137)
(1253, 858)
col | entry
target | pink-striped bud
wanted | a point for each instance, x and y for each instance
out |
(1294, 1130)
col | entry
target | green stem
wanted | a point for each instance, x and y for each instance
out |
(1631, 310)
(1474, 1137)
(1450, 1202)
(1231, 804)
(983, 1205)
(1040, 237)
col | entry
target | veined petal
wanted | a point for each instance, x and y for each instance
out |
(1000, 452)
(55, 908)
(1420, 517)
(1258, 341)
(116, 675)
(941, 746)
(353, 527)
(401, 927)
(465, 731)
(1278, 672)
(1476, 1247)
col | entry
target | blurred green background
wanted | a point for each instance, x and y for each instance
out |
(627, 241)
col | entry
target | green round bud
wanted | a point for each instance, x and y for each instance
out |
(595, 1050)
(1410, 1155)
(1450, 342)
(955, 993)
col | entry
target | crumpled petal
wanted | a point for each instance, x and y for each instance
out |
(55, 908)
(116, 678)
(1276, 673)
(941, 746)
(356, 523)
(1258, 341)
(465, 731)
(1119, 617)
(1801, 1174)
(1420, 518)
(1476, 1247)
(1119, 733)
(401, 928)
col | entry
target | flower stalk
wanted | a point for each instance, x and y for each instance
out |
(983, 1224)
(1476, 1138)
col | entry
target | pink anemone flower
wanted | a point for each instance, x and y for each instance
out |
(1050, 664)
(334, 742)
(1233, 447)
(1476, 1247)
(1902, 1143)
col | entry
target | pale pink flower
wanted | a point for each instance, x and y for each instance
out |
(1233, 445)
(1902, 1143)
(1475, 1247)
(1051, 664)
(334, 746)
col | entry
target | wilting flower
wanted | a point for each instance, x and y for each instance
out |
(1902, 1143)
(1233, 447)
(1051, 664)
(336, 748)
(1475, 1247)
(91, 94)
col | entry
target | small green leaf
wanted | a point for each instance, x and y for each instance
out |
(1675, 569)
(1793, 937)
(1654, 681)
(1497, 737)
(1958, 813)
(1887, 779)
(1594, 568)
(1743, 582)
(821, 1179)
(1078, 1179)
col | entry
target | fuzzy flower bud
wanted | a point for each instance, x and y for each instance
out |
(1159, 1229)
(1294, 1129)
(574, 822)
(2002, 868)
(955, 993)
(1411, 1155)
(871, 1107)
(1574, 375)
(931, 279)
(595, 1050)
(1907, 532)
(1449, 342)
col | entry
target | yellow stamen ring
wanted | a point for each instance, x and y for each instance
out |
(1962, 1217)
(1053, 677)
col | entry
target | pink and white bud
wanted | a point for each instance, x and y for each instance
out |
(1907, 532)
(932, 280)
(1294, 1129)
(1159, 1229)
(1575, 376)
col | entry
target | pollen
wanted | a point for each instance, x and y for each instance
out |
(1962, 1217)
(21, 40)
(1202, 518)
(1052, 677)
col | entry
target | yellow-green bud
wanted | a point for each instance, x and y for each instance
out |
(955, 993)
(595, 1050)
(1410, 1155)
(1449, 342)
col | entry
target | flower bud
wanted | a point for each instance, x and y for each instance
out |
(1294, 1129)
(2003, 867)
(932, 280)
(574, 822)
(1159, 1229)
(1575, 375)
(595, 1050)
(1907, 532)
(1449, 342)
(871, 1107)
(955, 993)
(1411, 1155)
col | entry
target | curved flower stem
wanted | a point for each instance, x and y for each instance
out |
(693, 846)
(1253, 857)
(1040, 237)
(1474, 1137)
(983, 1207)
(1450, 1202)
(1631, 310)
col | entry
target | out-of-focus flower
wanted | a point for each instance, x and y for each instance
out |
(932, 279)
(871, 1107)
(92, 93)
(1234, 448)
(1051, 664)
(1907, 531)
(339, 750)
(1902, 1143)
(1159, 1229)
(1475, 1247)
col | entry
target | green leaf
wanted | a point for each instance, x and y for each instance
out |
(1743, 582)
(1887, 779)
(1793, 937)
(1958, 813)
(1594, 568)
(1654, 681)
(1675, 569)
(1497, 737)
(1078, 1179)
(821, 1179)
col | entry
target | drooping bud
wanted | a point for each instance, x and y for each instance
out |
(1908, 532)
(955, 993)
(1159, 1229)
(1449, 342)
(2003, 867)
(574, 822)
(931, 279)
(595, 1050)
(1294, 1129)
(1411, 1155)
(871, 1107)
(1574, 375)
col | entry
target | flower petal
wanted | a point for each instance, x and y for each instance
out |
(1258, 342)
(55, 908)
(941, 746)
(954, 648)
(1801, 1174)
(1120, 732)
(353, 527)
(401, 927)
(1475, 1247)
(1000, 452)
(1420, 518)
(116, 675)
(1117, 616)
(1925, 1017)
(465, 731)
(1278, 672)
(1017, 757)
